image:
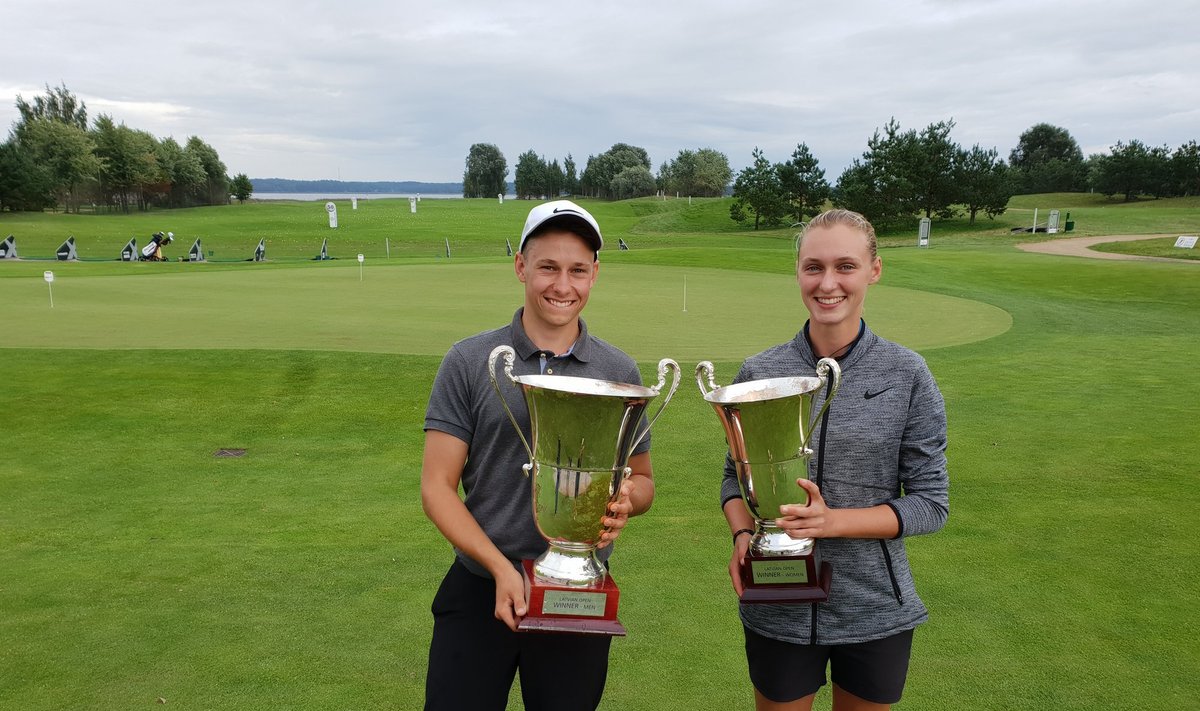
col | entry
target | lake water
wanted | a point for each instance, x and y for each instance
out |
(361, 196)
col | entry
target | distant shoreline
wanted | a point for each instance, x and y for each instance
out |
(345, 196)
(309, 196)
(354, 187)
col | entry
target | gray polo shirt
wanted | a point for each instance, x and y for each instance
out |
(464, 404)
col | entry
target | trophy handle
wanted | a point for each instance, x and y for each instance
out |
(704, 370)
(663, 366)
(509, 356)
(827, 370)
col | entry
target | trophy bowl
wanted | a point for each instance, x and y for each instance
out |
(583, 431)
(766, 424)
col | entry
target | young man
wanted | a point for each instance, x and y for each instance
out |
(476, 650)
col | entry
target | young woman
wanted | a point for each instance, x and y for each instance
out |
(878, 475)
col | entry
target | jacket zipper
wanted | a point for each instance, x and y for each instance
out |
(887, 556)
(812, 637)
(887, 559)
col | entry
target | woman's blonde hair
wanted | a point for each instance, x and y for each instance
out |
(835, 217)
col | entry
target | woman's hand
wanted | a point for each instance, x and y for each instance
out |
(741, 544)
(812, 520)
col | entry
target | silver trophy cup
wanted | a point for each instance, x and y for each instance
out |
(583, 431)
(767, 426)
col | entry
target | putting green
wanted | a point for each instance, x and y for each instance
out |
(422, 309)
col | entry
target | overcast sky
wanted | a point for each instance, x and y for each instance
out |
(399, 90)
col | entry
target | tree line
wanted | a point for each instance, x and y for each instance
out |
(906, 173)
(1047, 159)
(620, 173)
(52, 157)
(901, 175)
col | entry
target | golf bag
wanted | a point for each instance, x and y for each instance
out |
(152, 252)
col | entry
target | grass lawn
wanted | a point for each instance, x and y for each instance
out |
(412, 309)
(1163, 247)
(139, 566)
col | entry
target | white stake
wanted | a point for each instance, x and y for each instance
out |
(360, 263)
(387, 243)
(49, 277)
(685, 293)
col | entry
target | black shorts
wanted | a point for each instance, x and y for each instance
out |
(474, 658)
(874, 671)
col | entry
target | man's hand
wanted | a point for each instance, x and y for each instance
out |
(618, 514)
(510, 596)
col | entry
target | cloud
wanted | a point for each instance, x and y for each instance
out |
(400, 90)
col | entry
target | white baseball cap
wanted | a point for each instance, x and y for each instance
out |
(580, 220)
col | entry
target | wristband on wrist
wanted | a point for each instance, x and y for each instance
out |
(740, 531)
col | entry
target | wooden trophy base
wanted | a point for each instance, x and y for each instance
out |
(784, 579)
(560, 608)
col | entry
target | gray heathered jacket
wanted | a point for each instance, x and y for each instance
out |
(885, 444)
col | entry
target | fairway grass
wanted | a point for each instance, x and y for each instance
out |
(138, 566)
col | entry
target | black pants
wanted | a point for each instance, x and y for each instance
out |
(474, 657)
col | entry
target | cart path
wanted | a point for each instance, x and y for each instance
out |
(1081, 247)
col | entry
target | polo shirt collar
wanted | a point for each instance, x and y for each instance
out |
(525, 349)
